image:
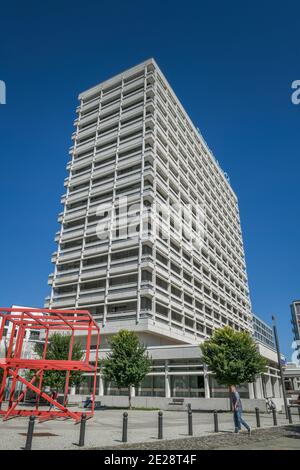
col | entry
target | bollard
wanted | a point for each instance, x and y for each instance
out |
(29, 433)
(216, 421)
(125, 425)
(82, 430)
(290, 415)
(257, 417)
(274, 417)
(160, 425)
(190, 422)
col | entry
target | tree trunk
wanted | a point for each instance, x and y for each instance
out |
(129, 396)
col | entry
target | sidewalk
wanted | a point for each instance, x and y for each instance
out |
(105, 429)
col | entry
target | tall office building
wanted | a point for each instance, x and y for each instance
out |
(295, 312)
(263, 333)
(150, 236)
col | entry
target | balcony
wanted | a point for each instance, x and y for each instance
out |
(93, 273)
(69, 255)
(123, 267)
(64, 279)
(69, 235)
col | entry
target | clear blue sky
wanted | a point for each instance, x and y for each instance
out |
(231, 64)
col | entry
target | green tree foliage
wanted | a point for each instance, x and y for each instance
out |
(232, 356)
(58, 348)
(128, 362)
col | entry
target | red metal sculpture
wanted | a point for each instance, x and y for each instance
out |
(23, 319)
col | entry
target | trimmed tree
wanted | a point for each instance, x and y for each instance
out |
(58, 349)
(232, 357)
(128, 363)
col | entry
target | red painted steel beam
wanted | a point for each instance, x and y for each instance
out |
(43, 394)
(20, 397)
(23, 319)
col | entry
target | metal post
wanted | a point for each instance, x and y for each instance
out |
(29, 433)
(216, 423)
(274, 417)
(290, 415)
(82, 430)
(160, 425)
(125, 426)
(190, 422)
(280, 368)
(257, 417)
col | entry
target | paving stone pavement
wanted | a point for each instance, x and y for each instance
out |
(280, 438)
(105, 430)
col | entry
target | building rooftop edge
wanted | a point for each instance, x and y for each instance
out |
(196, 130)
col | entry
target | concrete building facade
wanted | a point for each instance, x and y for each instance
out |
(150, 236)
(295, 320)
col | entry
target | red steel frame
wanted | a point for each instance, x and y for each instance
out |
(23, 319)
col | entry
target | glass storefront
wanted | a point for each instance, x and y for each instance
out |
(222, 391)
(187, 386)
(152, 386)
(86, 387)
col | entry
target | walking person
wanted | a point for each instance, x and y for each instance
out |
(54, 395)
(238, 411)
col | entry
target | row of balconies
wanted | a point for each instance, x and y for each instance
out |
(171, 278)
(83, 193)
(183, 178)
(92, 297)
(86, 176)
(236, 276)
(177, 259)
(196, 162)
(129, 85)
(193, 137)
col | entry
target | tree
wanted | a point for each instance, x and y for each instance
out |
(58, 349)
(232, 356)
(128, 363)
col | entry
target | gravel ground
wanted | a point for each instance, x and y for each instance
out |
(282, 437)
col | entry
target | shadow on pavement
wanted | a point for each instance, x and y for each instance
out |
(292, 432)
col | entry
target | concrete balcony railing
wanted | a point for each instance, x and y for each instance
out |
(69, 235)
(86, 118)
(74, 214)
(93, 273)
(69, 255)
(86, 299)
(59, 302)
(66, 279)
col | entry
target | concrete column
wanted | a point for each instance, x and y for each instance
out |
(206, 383)
(167, 381)
(269, 390)
(295, 384)
(101, 386)
(259, 388)
(251, 390)
(277, 388)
